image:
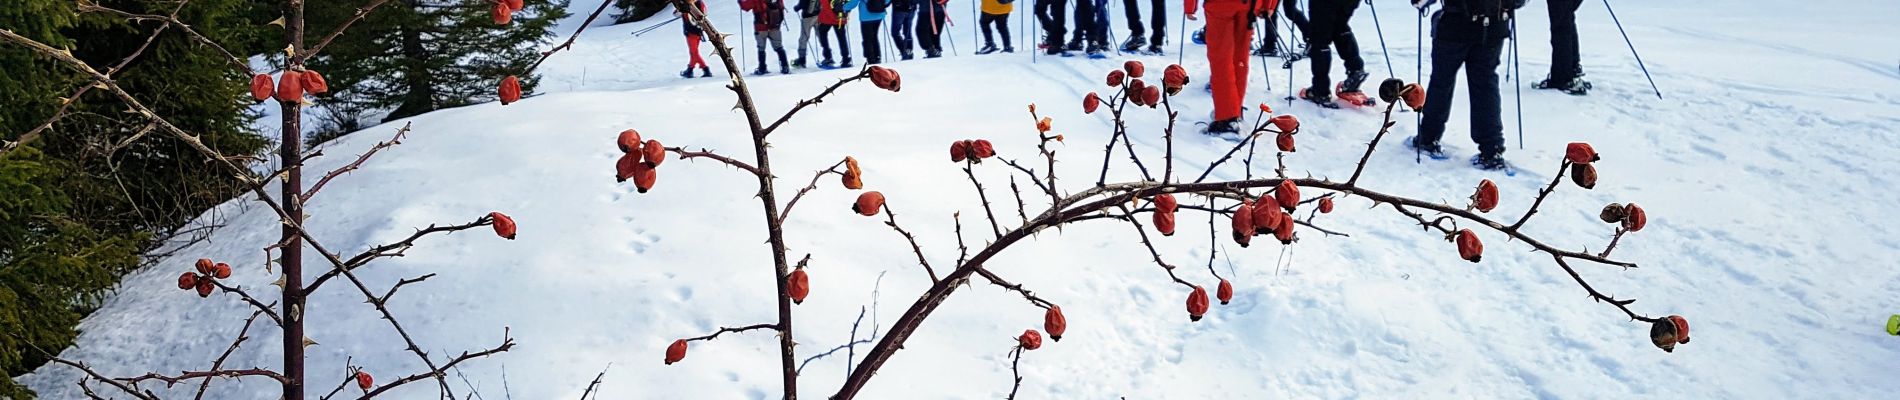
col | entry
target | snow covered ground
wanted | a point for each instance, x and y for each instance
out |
(1764, 171)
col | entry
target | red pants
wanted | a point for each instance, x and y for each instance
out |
(1228, 34)
(692, 46)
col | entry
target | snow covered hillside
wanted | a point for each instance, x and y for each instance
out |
(1765, 172)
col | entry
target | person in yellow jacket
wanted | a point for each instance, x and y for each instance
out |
(996, 17)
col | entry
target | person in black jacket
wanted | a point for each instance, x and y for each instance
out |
(1472, 39)
(903, 14)
(1052, 14)
(1328, 30)
(1566, 71)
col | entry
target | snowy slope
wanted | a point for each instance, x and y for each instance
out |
(1763, 170)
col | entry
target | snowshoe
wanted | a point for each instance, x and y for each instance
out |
(845, 64)
(1097, 53)
(1321, 99)
(1266, 51)
(987, 49)
(1575, 87)
(761, 71)
(1494, 162)
(1155, 50)
(905, 56)
(1432, 151)
(1200, 37)
(1009, 49)
(1075, 46)
(1133, 44)
(1354, 97)
(826, 64)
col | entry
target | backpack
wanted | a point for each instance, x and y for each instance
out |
(1492, 10)
(877, 6)
(837, 7)
(774, 12)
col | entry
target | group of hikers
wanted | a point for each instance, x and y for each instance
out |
(1466, 34)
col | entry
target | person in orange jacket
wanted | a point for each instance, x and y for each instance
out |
(1229, 32)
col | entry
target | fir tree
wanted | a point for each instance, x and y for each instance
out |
(416, 56)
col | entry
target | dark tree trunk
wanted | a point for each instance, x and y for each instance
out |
(290, 155)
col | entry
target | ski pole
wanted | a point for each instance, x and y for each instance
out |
(1632, 45)
(1418, 74)
(1180, 57)
(643, 31)
(1377, 27)
(741, 39)
(1517, 84)
(1102, 23)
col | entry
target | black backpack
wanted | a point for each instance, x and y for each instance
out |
(877, 6)
(1492, 10)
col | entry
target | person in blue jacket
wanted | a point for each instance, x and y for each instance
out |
(870, 18)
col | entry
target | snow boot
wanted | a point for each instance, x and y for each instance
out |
(1133, 44)
(1266, 51)
(761, 70)
(800, 62)
(1008, 48)
(688, 73)
(905, 55)
(826, 64)
(1223, 127)
(1353, 80)
(783, 69)
(1432, 151)
(1492, 162)
(705, 72)
(1097, 51)
(845, 64)
(987, 49)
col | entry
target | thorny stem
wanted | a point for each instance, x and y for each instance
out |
(723, 330)
(354, 165)
(968, 171)
(891, 220)
(707, 153)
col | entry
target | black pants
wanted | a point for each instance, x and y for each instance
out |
(1564, 64)
(1457, 42)
(1132, 11)
(931, 23)
(1085, 24)
(1051, 14)
(1329, 30)
(999, 22)
(1291, 9)
(844, 48)
(873, 51)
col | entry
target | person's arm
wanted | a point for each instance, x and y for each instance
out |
(1191, 7)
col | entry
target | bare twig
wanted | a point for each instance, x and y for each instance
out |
(358, 16)
(353, 165)
(1541, 194)
(570, 38)
(968, 171)
(787, 212)
(723, 330)
(396, 249)
(1015, 370)
(438, 372)
(266, 309)
(820, 98)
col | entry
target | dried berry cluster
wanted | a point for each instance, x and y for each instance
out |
(205, 279)
(639, 161)
(290, 88)
(1269, 215)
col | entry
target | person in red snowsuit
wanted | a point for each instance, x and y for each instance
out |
(1229, 31)
(693, 37)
